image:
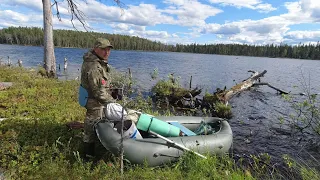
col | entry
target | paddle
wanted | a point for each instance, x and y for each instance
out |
(176, 144)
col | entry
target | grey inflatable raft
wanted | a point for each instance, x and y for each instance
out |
(156, 151)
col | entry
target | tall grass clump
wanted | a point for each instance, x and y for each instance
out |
(306, 115)
(301, 168)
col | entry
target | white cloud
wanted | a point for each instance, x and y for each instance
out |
(251, 4)
(150, 34)
(176, 2)
(11, 18)
(127, 28)
(274, 29)
(141, 15)
(145, 14)
(303, 35)
(265, 8)
(65, 23)
(303, 11)
(226, 29)
(120, 26)
(190, 12)
(312, 7)
(175, 35)
(268, 30)
(248, 37)
(32, 4)
(162, 36)
(138, 28)
(155, 34)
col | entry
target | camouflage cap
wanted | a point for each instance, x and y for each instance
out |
(102, 43)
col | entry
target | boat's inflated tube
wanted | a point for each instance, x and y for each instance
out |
(156, 151)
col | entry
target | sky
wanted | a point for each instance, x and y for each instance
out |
(256, 22)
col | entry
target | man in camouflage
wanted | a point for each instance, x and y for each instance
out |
(96, 80)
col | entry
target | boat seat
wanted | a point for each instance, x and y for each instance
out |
(185, 130)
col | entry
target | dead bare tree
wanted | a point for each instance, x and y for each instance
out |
(49, 57)
(227, 95)
(76, 14)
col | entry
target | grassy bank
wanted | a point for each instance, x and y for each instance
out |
(36, 143)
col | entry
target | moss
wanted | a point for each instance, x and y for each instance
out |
(222, 110)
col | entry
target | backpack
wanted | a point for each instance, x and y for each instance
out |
(83, 96)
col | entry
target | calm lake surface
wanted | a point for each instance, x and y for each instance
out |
(255, 123)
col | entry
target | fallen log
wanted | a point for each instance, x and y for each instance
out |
(5, 85)
(245, 84)
(217, 103)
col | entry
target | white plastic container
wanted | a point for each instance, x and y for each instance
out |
(129, 130)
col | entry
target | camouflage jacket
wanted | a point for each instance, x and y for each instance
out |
(96, 79)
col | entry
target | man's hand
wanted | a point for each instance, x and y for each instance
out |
(117, 93)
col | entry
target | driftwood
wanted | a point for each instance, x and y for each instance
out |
(225, 96)
(216, 103)
(5, 85)
(267, 84)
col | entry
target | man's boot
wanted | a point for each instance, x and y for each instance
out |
(89, 151)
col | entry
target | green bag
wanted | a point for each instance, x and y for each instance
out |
(204, 129)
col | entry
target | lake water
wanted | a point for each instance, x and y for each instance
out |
(255, 123)
(207, 71)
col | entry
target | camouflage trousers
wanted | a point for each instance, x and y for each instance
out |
(92, 117)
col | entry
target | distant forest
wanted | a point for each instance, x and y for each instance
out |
(69, 38)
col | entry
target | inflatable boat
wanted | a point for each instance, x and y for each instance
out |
(155, 151)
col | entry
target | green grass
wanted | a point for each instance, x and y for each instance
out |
(36, 144)
(33, 96)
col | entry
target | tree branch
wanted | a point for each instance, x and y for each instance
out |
(263, 83)
(77, 14)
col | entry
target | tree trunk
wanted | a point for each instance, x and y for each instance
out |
(49, 58)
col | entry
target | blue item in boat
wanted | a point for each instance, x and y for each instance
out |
(185, 130)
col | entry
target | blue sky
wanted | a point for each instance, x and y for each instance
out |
(184, 21)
